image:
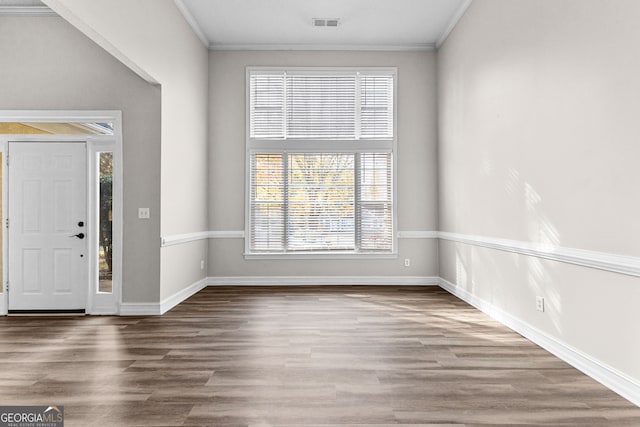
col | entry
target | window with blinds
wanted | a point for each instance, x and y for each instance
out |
(321, 147)
(291, 105)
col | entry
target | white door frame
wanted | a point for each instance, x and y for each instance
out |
(97, 303)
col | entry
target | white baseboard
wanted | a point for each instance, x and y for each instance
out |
(323, 280)
(156, 309)
(175, 299)
(606, 375)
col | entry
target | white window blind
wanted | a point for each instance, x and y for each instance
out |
(321, 106)
(267, 106)
(375, 201)
(321, 202)
(376, 106)
(267, 203)
(321, 147)
(328, 202)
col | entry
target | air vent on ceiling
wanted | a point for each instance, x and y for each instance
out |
(325, 22)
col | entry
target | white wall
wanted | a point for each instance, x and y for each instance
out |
(154, 40)
(538, 142)
(49, 65)
(416, 158)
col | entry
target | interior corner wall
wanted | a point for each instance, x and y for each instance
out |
(153, 39)
(538, 143)
(49, 65)
(416, 163)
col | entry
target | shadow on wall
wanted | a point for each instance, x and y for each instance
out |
(511, 281)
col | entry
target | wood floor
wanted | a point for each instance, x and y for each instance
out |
(298, 356)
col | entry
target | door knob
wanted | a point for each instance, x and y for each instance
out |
(79, 236)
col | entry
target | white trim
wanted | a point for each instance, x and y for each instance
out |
(97, 303)
(180, 296)
(323, 280)
(178, 239)
(26, 11)
(284, 144)
(411, 47)
(226, 234)
(54, 116)
(193, 23)
(459, 13)
(417, 234)
(623, 264)
(157, 309)
(320, 255)
(4, 297)
(615, 380)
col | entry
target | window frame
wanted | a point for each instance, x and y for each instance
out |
(305, 145)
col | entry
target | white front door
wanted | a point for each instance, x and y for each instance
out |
(47, 226)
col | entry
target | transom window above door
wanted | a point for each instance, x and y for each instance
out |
(320, 156)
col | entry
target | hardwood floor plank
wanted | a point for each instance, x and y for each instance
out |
(299, 356)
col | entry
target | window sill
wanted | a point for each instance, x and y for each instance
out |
(319, 255)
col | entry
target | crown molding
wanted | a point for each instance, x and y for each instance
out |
(459, 13)
(26, 11)
(418, 47)
(193, 23)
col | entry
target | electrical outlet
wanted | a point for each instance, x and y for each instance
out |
(407, 262)
(201, 264)
(540, 304)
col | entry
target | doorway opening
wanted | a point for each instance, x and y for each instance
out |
(61, 207)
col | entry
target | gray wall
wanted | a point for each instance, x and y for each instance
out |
(163, 50)
(538, 142)
(45, 63)
(417, 172)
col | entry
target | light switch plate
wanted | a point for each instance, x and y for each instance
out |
(143, 213)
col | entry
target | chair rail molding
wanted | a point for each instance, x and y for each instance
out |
(178, 239)
(615, 263)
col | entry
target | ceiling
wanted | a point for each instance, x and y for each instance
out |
(287, 24)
